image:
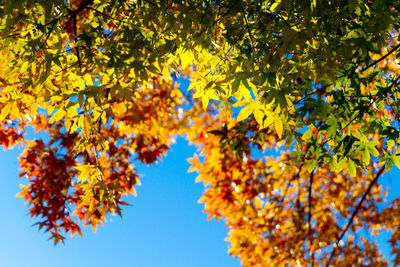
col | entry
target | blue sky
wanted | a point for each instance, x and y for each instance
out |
(165, 226)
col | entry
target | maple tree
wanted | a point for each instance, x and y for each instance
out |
(316, 80)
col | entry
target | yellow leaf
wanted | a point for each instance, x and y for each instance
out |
(97, 114)
(24, 66)
(278, 126)
(204, 101)
(86, 172)
(4, 112)
(275, 5)
(245, 92)
(23, 192)
(268, 120)
(88, 79)
(72, 112)
(245, 112)
(20, 194)
(14, 111)
(33, 67)
(165, 74)
(73, 127)
(49, 85)
(33, 110)
(57, 116)
(133, 191)
(186, 58)
(259, 116)
(87, 125)
(68, 124)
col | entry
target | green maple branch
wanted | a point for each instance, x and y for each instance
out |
(395, 48)
(378, 96)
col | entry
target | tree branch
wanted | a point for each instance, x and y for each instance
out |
(379, 60)
(309, 216)
(353, 215)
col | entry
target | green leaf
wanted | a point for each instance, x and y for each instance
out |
(341, 164)
(333, 163)
(365, 156)
(351, 168)
(310, 165)
(57, 61)
(396, 160)
(289, 140)
(373, 150)
(389, 164)
(390, 144)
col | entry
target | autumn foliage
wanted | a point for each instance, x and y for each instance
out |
(293, 106)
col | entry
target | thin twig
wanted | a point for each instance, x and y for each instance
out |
(48, 35)
(248, 27)
(104, 14)
(379, 60)
(225, 13)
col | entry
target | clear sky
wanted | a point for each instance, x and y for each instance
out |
(164, 227)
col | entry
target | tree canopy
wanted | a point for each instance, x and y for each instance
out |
(316, 80)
